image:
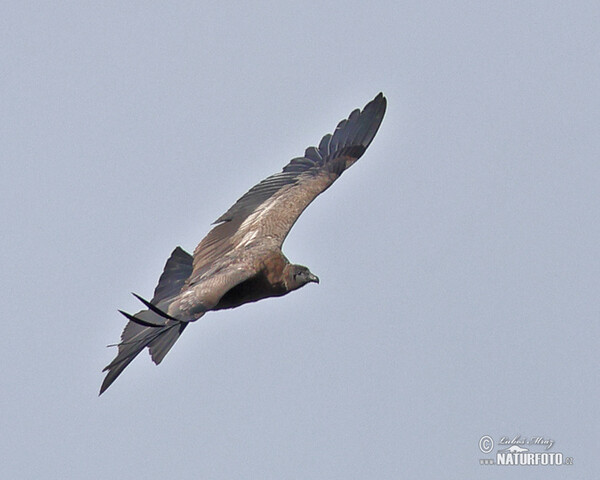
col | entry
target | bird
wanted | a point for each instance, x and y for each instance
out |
(240, 260)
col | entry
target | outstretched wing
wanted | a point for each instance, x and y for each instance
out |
(267, 212)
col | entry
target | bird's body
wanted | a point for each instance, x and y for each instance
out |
(269, 282)
(240, 260)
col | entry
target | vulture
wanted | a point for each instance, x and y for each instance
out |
(240, 260)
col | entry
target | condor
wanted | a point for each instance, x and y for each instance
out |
(240, 260)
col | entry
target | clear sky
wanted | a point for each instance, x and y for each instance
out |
(459, 258)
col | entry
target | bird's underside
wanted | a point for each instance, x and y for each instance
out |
(240, 260)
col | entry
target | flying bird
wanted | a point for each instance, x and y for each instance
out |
(240, 260)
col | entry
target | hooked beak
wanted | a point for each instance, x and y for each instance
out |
(313, 278)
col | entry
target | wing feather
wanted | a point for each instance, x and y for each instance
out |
(269, 209)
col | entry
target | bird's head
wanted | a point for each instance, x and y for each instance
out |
(298, 276)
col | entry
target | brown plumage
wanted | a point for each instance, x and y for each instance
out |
(240, 260)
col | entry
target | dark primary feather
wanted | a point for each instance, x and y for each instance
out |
(140, 321)
(154, 308)
(176, 272)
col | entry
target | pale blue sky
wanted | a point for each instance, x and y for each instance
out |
(458, 259)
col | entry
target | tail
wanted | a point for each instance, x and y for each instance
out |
(152, 328)
(136, 337)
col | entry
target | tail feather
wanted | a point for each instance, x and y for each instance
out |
(153, 328)
(161, 345)
(152, 332)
